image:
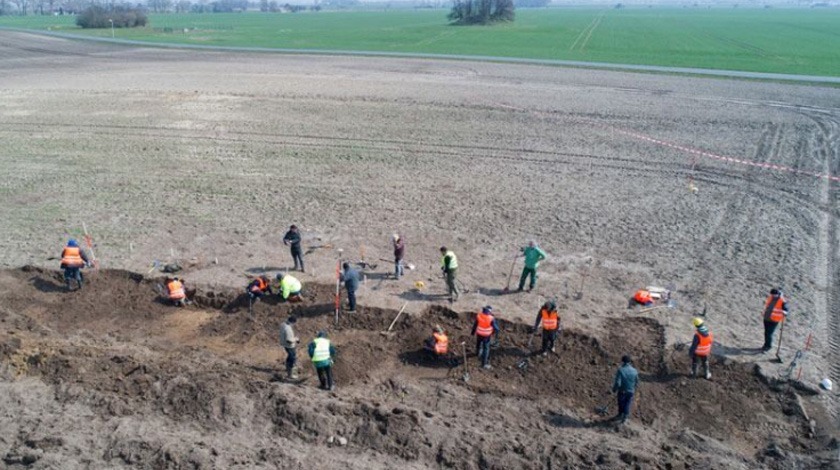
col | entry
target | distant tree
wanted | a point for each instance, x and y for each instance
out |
(263, 5)
(160, 6)
(182, 6)
(481, 11)
(123, 17)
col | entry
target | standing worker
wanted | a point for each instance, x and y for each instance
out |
(322, 351)
(289, 288)
(550, 326)
(73, 259)
(484, 328)
(177, 293)
(351, 280)
(533, 256)
(289, 342)
(292, 239)
(399, 253)
(449, 266)
(626, 380)
(775, 312)
(701, 348)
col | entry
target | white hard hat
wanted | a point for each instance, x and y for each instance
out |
(826, 384)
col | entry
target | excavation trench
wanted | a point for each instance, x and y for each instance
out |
(117, 344)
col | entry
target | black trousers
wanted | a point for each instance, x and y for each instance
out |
(548, 339)
(769, 329)
(325, 377)
(297, 257)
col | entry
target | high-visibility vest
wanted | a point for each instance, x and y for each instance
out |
(778, 313)
(485, 325)
(260, 285)
(441, 343)
(322, 350)
(453, 262)
(549, 319)
(289, 285)
(176, 290)
(642, 296)
(71, 257)
(704, 345)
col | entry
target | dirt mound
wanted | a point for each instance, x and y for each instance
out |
(204, 375)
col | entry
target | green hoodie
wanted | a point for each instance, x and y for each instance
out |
(533, 256)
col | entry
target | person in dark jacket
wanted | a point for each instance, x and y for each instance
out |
(399, 253)
(550, 320)
(701, 348)
(625, 382)
(292, 239)
(322, 353)
(351, 278)
(73, 259)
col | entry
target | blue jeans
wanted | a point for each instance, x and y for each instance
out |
(398, 268)
(625, 400)
(482, 349)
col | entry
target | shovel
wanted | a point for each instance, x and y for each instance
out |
(510, 274)
(523, 364)
(603, 410)
(779, 347)
(466, 375)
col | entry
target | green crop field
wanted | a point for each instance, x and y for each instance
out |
(797, 41)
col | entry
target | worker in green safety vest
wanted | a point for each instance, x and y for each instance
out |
(322, 352)
(449, 266)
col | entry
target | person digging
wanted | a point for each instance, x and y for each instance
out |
(258, 288)
(701, 348)
(550, 326)
(437, 345)
(176, 291)
(289, 288)
(533, 256)
(399, 254)
(352, 279)
(73, 259)
(775, 312)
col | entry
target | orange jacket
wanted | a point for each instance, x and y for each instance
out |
(550, 321)
(485, 325)
(71, 257)
(776, 313)
(642, 296)
(441, 343)
(704, 345)
(176, 290)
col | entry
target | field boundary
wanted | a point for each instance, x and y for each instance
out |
(817, 79)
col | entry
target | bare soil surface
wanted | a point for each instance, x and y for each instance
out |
(205, 158)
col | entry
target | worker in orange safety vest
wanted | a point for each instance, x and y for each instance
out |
(701, 348)
(550, 326)
(438, 344)
(176, 291)
(484, 328)
(73, 259)
(775, 312)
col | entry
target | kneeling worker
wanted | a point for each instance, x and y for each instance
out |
(289, 287)
(322, 351)
(258, 288)
(438, 344)
(176, 291)
(73, 259)
(701, 348)
(648, 296)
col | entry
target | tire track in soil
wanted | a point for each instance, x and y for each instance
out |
(827, 306)
(731, 221)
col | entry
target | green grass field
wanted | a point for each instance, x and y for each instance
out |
(798, 41)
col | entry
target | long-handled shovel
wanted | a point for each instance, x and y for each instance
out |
(338, 285)
(579, 293)
(510, 274)
(523, 364)
(466, 375)
(779, 347)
